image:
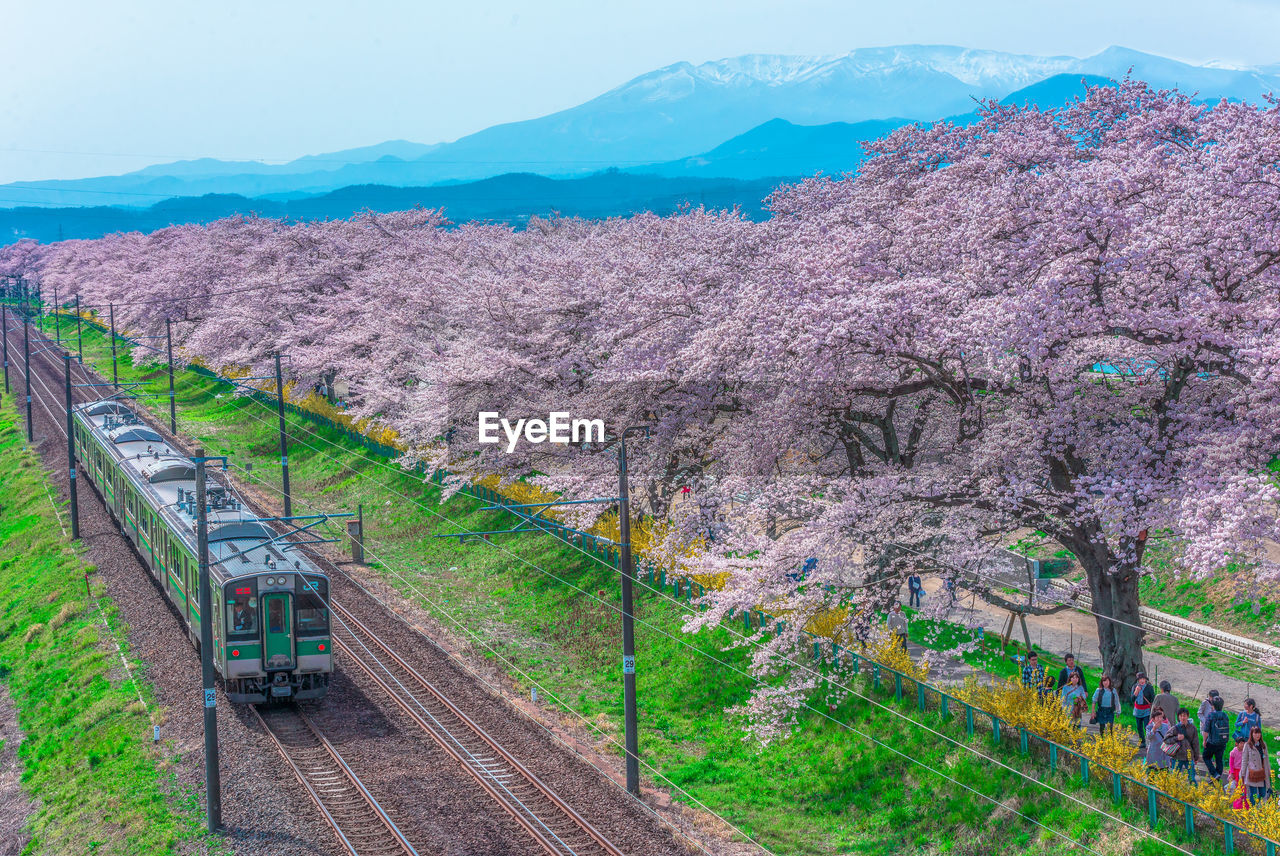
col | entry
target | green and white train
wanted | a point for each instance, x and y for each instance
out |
(270, 603)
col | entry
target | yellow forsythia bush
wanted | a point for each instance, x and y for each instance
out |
(886, 651)
(1112, 750)
(1023, 707)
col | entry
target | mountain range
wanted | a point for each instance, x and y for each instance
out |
(746, 118)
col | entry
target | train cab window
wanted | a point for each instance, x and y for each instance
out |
(277, 617)
(313, 614)
(242, 611)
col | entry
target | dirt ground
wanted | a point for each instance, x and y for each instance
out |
(16, 805)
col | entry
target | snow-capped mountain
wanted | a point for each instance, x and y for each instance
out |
(991, 71)
(677, 112)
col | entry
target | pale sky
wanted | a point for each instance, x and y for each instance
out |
(94, 88)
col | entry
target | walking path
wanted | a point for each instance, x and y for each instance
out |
(1071, 630)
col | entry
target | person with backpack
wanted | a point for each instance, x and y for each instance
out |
(914, 589)
(1167, 702)
(1188, 749)
(1144, 695)
(1157, 756)
(1065, 673)
(1247, 719)
(1255, 766)
(1206, 708)
(1217, 730)
(1106, 701)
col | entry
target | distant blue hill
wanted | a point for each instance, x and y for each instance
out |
(512, 198)
(781, 148)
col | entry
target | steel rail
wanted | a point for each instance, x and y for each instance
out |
(398, 842)
(551, 843)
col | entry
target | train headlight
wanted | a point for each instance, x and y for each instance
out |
(235, 652)
(320, 646)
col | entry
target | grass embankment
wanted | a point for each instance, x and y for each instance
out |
(827, 789)
(88, 763)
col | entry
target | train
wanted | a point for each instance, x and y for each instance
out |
(270, 602)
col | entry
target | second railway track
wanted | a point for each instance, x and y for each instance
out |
(551, 821)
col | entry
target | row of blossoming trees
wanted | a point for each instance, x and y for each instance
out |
(1063, 320)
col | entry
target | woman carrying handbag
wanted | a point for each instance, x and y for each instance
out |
(1255, 766)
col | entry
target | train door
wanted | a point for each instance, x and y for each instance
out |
(277, 641)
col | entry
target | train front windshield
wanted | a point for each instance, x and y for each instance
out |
(312, 595)
(242, 609)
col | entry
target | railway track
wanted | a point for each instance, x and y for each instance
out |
(551, 821)
(362, 826)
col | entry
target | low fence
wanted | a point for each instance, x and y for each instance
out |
(1160, 805)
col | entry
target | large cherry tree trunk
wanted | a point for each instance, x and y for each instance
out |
(1113, 584)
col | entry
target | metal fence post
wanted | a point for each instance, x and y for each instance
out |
(968, 719)
(1153, 807)
(1053, 758)
(1117, 787)
(1084, 770)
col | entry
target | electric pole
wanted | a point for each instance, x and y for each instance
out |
(212, 778)
(71, 454)
(626, 570)
(57, 320)
(284, 440)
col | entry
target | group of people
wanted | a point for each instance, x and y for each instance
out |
(1167, 738)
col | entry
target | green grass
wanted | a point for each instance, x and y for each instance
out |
(97, 783)
(828, 788)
